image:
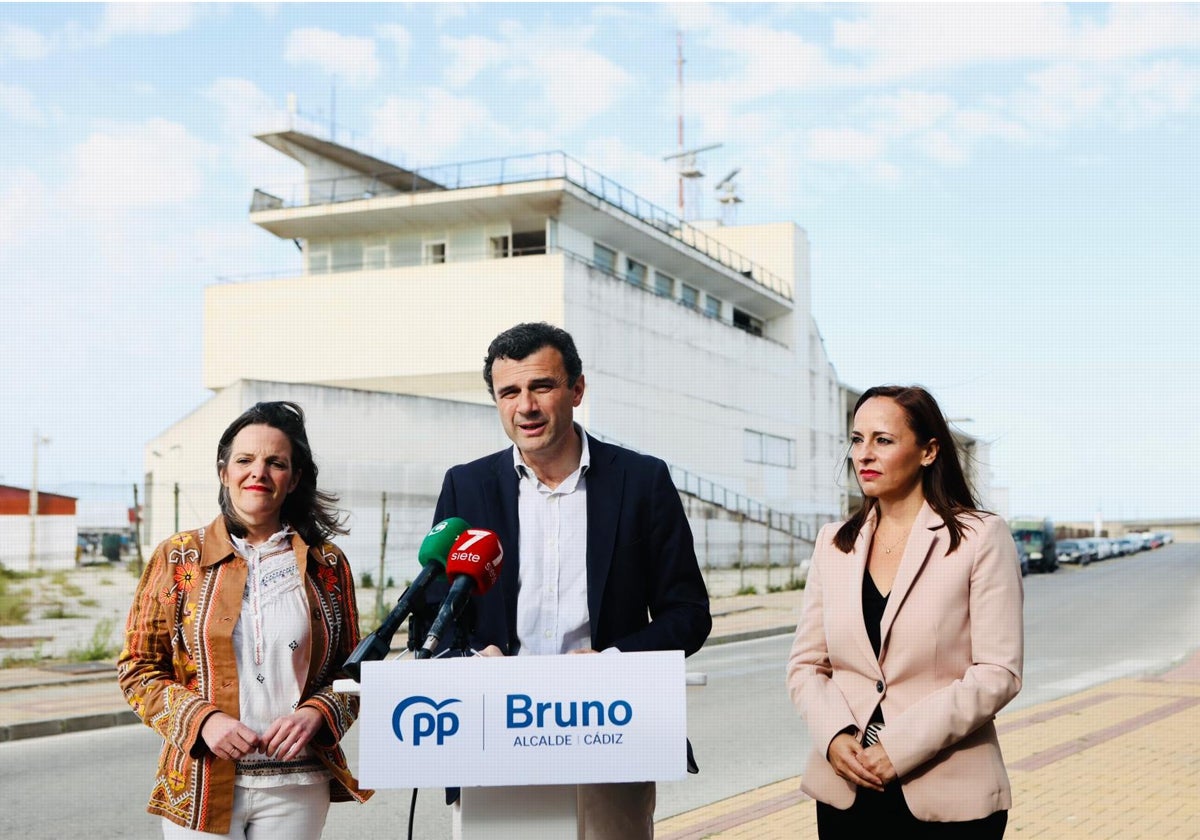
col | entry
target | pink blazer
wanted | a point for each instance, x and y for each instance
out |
(950, 659)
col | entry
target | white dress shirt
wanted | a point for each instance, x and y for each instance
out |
(552, 610)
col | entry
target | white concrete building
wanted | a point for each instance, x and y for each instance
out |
(698, 344)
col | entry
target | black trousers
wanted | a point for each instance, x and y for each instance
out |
(887, 811)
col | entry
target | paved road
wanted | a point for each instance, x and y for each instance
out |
(1124, 617)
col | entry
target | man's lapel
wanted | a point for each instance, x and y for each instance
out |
(605, 481)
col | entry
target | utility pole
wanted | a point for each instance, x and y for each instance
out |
(33, 503)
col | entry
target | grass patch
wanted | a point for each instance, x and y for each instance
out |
(106, 582)
(14, 604)
(88, 602)
(59, 610)
(368, 582)
(99, 647)
(747, 590)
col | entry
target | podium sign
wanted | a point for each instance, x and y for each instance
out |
(529, 720)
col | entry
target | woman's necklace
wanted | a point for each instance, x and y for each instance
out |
(887, 549)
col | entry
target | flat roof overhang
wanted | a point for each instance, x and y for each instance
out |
(526, 205)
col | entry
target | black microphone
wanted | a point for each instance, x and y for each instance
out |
(432, 554)
(472, 566)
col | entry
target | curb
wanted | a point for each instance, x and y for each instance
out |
(103, 720)
(61, 726)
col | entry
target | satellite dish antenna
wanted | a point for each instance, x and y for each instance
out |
(728, 189)
(727, 195)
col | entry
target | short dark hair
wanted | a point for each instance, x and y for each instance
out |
(312, 513)
(943, 482)
(524, 339)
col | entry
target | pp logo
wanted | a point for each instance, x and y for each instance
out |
(423, 724)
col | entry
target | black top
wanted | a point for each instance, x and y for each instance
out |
(873, 605)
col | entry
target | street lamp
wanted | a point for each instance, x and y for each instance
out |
(33, 501)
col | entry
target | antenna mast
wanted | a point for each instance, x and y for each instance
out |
(679, 102)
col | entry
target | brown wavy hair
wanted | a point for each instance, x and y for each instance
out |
(312, 513)
(943, 482)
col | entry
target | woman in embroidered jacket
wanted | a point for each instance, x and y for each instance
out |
(910, 639)
(235, 636)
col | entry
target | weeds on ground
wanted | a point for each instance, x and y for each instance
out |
(59, 610)
(106, 582)
(98, 648)
(11, 661)
(749, 589)
(368, 582)
(88, 602)
(14, 603)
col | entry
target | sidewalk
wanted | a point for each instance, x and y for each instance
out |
(35, 702)
(1114, 761)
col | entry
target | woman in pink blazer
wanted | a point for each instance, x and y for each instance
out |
(910, 639)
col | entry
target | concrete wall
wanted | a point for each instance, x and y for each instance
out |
(364, 444)
(54, 548)
(404, 322)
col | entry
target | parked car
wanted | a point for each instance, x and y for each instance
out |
(1075, 551)
(1100, 546)
(1022, 559)
(1131, 545)
(1116, 548)
(1036, 536)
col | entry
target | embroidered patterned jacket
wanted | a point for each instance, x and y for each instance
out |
(178, 666)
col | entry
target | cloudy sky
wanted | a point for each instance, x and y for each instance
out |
(1002, 201)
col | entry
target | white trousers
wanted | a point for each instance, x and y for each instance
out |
(290, 812)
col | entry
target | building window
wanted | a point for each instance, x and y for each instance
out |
(375, 257)
(529, 243)
(318, 262)
(603, 258)
(712, 306)
(746, 321)
(635, 273)
(664, 284)
(500, 247)
(761, 448)
(434, 253)
(689, 296)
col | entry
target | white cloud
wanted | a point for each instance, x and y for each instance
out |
(977, 124)
(22, 43)
(399, 37)
(348, 57)
(844, 145)
(20, 106)
(1164, 87)
(576, 82)
(1061, 95)
(246, 110)
(909, 111)
(428, 127)
(144, 19)
(941, 147)
(152, 164)
(471, 56)
(579, 84)
(23, 204)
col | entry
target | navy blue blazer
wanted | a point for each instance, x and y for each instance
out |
(645, 590)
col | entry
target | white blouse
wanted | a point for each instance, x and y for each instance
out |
(272, 646)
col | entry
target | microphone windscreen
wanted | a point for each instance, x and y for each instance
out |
(478, 555)
(441, 538)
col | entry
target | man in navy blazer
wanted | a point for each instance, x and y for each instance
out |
(598, 553)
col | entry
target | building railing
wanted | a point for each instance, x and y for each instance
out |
(512, 170)
(731, 501)
(458, 256)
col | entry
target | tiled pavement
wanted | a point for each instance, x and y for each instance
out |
(1116, 761)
